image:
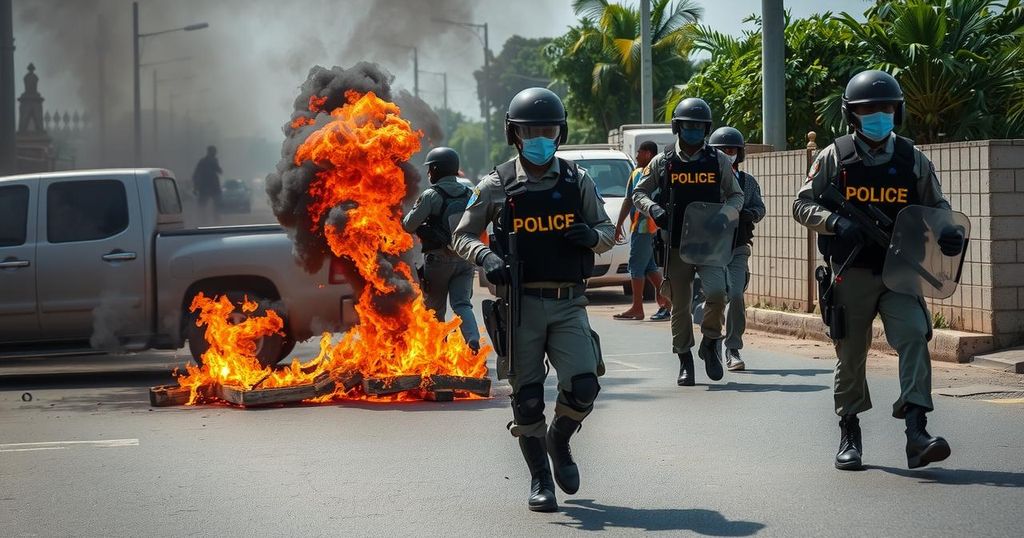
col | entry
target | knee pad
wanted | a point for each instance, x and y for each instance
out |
(528, 404)
(583, 392)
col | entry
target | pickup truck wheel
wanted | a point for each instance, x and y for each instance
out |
(269, 349)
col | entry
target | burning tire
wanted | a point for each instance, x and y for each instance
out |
(269, 349)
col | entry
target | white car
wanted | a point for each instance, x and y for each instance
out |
(610, 169)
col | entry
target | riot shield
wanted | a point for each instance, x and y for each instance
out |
(700, 246)
(915, 264)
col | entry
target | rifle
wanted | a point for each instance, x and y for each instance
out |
(874, 223)
(503, 317)
(514, 299)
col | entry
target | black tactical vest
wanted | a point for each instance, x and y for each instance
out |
(693, 181)
(745, 230)
(540, 220)
(436, 232)
(889, 187)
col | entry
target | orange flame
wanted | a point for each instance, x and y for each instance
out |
(357, 153)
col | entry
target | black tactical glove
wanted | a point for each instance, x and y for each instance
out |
(582, 234)
(849, 231)
(951, 241)
(747, 215)
(495, 270)
(660, 216)
(718, 223)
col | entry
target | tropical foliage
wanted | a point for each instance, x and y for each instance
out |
(960, 63)
(598, 61)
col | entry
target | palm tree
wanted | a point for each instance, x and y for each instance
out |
(959, 63)
(615, 32)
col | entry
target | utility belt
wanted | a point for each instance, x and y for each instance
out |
(556, 293)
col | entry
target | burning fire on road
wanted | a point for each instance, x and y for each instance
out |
(339, 189)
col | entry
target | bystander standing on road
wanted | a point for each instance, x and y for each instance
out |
(642, 267)
(206, 184)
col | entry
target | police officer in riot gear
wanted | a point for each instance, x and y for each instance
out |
(446, 276)
(730, 141)
(874, 166)
(559, 223)
(673, 176)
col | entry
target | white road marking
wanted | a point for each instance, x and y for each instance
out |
(60, 445)
(628, 367)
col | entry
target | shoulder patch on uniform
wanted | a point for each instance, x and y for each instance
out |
(647, 170)
(815, 168)
(473, 196)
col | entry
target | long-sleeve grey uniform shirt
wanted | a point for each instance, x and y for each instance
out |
(489, 199)
(652, 179)
(825, 169)
(752, 199)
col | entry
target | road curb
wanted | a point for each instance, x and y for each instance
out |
(946, 345)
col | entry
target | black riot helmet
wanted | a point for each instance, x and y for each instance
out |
(442, 162)
(536, 107)
(872, 86)
(691, 109)
(728, 137)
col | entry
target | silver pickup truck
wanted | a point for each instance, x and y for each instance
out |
(100, 259)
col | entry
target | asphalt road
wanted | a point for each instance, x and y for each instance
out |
(750, 455)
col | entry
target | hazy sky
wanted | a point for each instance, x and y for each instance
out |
(247, 65)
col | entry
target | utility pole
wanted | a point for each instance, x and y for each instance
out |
(416, 72)
(646, 83)
(8, 153)
(136, 93)
(773, 58)
(156, 136)
(101, 88)
(136, 90)
(485, 102)
(487, 99)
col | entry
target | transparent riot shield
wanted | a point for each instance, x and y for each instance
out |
(698, 244)
(915, 264)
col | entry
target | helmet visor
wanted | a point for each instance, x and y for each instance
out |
(527, 132)
(690, 124)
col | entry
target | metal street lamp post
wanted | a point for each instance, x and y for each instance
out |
(485, 104)
(137, 93)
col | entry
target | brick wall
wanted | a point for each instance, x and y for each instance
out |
(983, 179)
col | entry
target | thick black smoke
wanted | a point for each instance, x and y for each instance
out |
(288, 187)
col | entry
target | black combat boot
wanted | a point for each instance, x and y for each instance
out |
(685, 370)
(922, 448)
(850, 447)
(542, 487)
(567, 474)
(711, 353)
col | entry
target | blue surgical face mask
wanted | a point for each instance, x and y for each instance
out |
(539, 151)
(876, 126)
(692, 137)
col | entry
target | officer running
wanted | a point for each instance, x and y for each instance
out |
(691, 157)
(560, 223)
(445, 276)
(730, 142)
(871, 160)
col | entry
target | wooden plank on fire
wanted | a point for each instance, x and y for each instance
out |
(382, 386)
(439, 395)
(475, 385)
(168, 395)
(271, 396)
(348, 380)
